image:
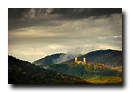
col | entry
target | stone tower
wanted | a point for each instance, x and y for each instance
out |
(76, 60)
(84, 59)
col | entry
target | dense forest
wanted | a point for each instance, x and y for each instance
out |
(23, 72)
(92, 72)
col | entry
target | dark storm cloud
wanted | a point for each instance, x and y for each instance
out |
(20, 17)
(14, 13)
(26, 17)
(87, 11)
(105, 11)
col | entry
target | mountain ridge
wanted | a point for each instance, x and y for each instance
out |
(113, 57)
(47, 59)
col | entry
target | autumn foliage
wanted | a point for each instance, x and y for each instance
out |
(21, 72)
(91, 72)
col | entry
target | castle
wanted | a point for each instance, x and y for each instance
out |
(80, 62)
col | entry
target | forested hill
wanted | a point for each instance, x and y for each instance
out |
(23, 72)
(107, 57)
(48, 59)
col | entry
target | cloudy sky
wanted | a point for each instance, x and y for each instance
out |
(38, 32)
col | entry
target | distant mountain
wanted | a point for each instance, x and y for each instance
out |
(48, 59)
(107, 57)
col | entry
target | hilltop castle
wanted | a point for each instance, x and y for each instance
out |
(80, 62)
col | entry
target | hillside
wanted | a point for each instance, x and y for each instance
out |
(48, 59)
(107, 57)
(95, 73)
(23, 72)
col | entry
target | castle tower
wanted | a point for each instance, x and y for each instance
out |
(76, 60)
(84, 59)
